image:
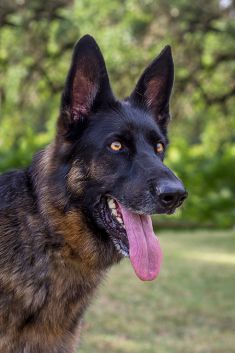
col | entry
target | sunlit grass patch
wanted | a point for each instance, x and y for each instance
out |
(212, 257)
(190, 308)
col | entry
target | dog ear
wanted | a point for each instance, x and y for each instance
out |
(154, 87)
(87, 86)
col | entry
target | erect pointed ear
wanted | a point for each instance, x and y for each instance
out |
(154, 87)
(87, 86)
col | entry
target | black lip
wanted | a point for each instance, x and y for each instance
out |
(153, 209)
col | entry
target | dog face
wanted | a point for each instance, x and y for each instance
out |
(112, 150)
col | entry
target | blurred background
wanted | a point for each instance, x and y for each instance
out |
(191, 307)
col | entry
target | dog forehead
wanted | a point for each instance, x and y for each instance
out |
(123, 118)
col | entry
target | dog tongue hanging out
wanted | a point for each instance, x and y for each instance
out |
(84, 203)
(144, 248)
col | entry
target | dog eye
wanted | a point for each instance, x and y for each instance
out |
(159, 147)
(116, 146)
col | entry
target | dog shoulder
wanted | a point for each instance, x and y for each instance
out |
(14, 189)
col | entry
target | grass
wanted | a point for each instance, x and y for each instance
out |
(190, 308)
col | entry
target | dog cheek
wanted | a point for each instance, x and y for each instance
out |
(77, 178)
(104, 169)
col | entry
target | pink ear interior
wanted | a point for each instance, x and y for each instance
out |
(154, 93)
(153, 90)
(84, 89)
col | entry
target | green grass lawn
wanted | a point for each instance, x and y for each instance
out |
(190, 308)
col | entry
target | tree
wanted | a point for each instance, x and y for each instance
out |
(36, 44)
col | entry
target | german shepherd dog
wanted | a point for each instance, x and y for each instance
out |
(84, 203)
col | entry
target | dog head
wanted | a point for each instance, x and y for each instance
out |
(112, 152)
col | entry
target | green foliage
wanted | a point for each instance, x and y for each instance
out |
(36, 44)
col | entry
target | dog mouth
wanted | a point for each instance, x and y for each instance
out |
(133, 236)
(114, 224)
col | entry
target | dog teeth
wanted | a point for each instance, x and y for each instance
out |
(111, 204)
(114, 212)
(120, 220)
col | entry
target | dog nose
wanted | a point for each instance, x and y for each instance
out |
(172, 196)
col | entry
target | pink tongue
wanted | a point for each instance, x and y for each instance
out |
(144, 247)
